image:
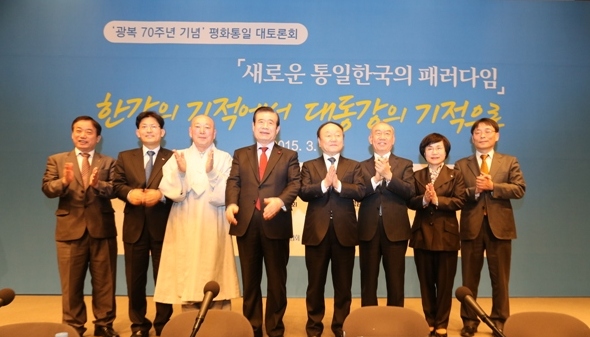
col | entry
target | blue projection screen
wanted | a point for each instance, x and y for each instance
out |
(422, 66)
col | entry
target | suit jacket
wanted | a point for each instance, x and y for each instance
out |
(508, 184)
(317, 216)
(392, 199)
(244, 186)
(436, 227)
(79, 209)
(130, 174)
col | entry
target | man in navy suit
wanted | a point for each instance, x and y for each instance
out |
(137, 176)
(330, 184)
(263, 183)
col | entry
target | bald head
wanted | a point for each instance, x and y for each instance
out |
(202, 131)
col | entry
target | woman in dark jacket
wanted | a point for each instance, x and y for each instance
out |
(440, 192)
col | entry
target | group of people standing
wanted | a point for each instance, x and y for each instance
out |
(181, 205)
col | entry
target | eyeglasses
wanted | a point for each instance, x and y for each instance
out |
(150, 127)
(487, 132)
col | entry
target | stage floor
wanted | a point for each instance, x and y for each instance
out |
(48, 309)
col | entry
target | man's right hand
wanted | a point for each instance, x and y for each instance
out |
(230, 212)
(68, 174)
(135, 197)
(180, 161)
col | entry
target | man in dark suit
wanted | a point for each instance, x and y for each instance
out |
(487, 221)
(263, 183)
(85, 231)
(330, 184)
(137, 176)
(384, 226)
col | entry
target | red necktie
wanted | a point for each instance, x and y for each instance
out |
(261, 169)
(85, 168)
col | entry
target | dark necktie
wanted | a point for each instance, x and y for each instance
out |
(381, 187)
(149, 166)
(332, 160)
(484, 164)
(85, 168)
(261, 169)
(384, 181)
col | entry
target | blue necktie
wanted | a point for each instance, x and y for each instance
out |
(149, 166)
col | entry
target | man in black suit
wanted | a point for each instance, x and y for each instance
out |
(263, 183)
(384, 226)
(85, 232)
(137, 176)
(329, 184)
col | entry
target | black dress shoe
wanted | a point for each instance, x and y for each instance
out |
(468, 331)
(105, 331)
(140, 333)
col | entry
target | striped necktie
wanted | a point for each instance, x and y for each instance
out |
(85, 168)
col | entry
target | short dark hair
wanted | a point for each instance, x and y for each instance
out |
(326, 123)
(147, 114)
(266, 109)
(487, 121)
(435, 138)
(88, 118)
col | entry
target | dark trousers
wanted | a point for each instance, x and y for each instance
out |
(498, 254)
(317, 259)
(255, 249)
(74, 259)
(394, 266)
(137, 259)
(436, 273)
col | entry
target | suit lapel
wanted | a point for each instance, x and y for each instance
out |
(496, 163)
(473, 165)
(342, 167)
(320, 167)
(137, 164)
(253, 160)
(443, 177)
(423, 177)
(392, 162)
(95, 161)
(275, 155)
(159, 162)
(371, 166)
